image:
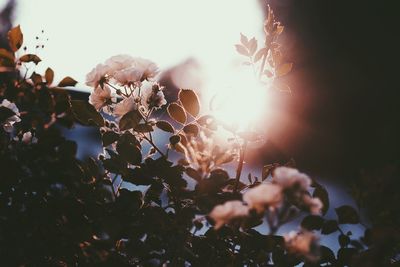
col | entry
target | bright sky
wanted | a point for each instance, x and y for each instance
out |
(84, 33)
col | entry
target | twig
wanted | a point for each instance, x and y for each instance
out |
(240, 166)
(154, 145)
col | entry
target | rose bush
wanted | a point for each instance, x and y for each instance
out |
(131, 207)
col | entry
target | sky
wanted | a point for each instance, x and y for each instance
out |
(82, 34)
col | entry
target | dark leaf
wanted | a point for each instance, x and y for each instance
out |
(347, 215)
(329, 227)
(343, 240)
(165, 126)
(30, 58)
(36, 78)
(190, 101)
(175, 139)
(5, 113)
(327, 255)
(86, 113)
(321, 193)
(143, 128)
(193, 173)
(15, 38)
(177, 113)
(128, 150)
(109, 137)
(312, 222)
(67, 81)
(345, 255)
(129, 120)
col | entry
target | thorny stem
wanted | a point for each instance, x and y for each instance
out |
(126, 95)
(240, 166)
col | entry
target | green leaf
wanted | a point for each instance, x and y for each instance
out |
(284, 69)
(191, 129)
(129, 120)
(86, 113)
(128, 150)
(242, 50)
(177, 113)
(67, 81)
(321, 193)
(109, 137)
(30, 58)
(15, 38)
(190, 101)
(329, 227)
(165, 126)
(347, 215)
(343, 240)
(49, 75)
(312, 222)
(5, 113)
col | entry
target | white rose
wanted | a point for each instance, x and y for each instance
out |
(124, 106)
(301, 243)
(148, 68)
(264, 196)
(99, 97)
(28, 138)
(128, 76)
(228, 212)
(289, 177)
(152, 95)
(9, 122)
(120, 62)
(314, 204)
(97, 75)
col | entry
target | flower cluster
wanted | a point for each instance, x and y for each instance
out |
(129, 80)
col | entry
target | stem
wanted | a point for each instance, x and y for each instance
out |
(154, 145)
(263, 64)
(240, 166)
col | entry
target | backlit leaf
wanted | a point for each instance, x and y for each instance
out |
(284, 69)
(252, 46)
(30, 58)
(242, 50)
(67, 81)
(177, 113)
(49, 75)
(192, 129)
(15, 38)
(190, 101)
